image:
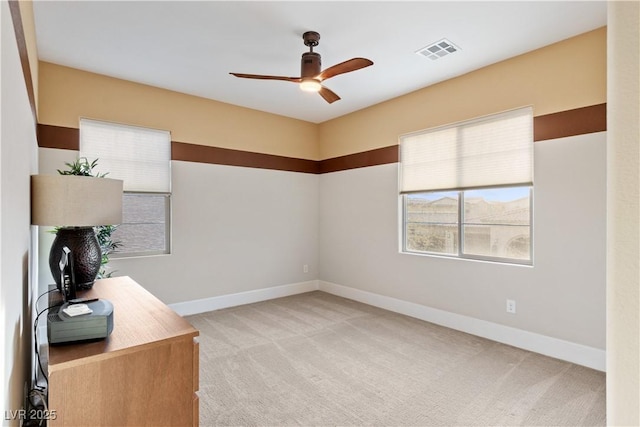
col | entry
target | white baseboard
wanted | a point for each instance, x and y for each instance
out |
(564, 350)
(188, 308)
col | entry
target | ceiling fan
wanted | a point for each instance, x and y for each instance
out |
(311, 76)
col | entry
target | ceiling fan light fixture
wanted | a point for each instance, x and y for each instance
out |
(310, 85)
(311, 72)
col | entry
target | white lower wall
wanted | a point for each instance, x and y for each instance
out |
(18, 160)
(234, 229)
(561, 296)
(242, 235)
(560, 299)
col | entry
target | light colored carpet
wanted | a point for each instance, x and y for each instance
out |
(319, 360)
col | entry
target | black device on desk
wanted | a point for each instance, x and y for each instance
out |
(67, 276)
(77, 319)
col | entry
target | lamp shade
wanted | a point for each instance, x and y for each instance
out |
(75, 201)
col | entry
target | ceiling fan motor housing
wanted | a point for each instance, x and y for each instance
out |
(310, 65)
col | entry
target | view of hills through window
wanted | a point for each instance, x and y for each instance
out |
(495, 223)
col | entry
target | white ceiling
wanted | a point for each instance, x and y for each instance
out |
(191, 46)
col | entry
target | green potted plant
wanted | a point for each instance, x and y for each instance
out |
(82, 167)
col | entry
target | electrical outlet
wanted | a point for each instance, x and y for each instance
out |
(511, 306)
(305, 268)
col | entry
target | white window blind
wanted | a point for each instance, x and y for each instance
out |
(489, 151)
(141, 157)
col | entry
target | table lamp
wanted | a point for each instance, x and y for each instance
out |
(75, 204)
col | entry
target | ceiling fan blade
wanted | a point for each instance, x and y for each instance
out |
(328, 95)
(261, 77)
(344, 67)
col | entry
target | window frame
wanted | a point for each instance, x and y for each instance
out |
(403, 197)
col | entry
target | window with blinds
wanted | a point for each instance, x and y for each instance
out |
(467, 188)
(141, 157)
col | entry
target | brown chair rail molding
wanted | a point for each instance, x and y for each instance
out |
(578, 121)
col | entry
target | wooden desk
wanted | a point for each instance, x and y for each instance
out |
(144, 374)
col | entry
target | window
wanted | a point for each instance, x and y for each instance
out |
(141, 157)
(467, 189)
(492, 224)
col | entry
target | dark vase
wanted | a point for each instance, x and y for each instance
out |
(85, 251)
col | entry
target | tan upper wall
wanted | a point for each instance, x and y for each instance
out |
(66, 94)
(559, 77)
(563, 76)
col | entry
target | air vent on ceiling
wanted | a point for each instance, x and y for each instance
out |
(438, 49)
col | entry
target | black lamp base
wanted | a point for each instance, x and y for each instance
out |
(85, 251)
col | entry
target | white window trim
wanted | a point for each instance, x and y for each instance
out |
(460, 241)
